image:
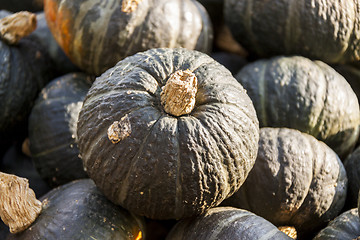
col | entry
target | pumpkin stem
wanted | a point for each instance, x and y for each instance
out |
(178, 94)
(16, 26)
(289, 230)
(18, 205)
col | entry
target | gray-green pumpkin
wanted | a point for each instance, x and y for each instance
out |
(157, 164)
(310, 96)
(324, 30)
(296, 181)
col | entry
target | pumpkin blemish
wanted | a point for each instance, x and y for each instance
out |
(139, 236)
(119, 130)
(129, 6)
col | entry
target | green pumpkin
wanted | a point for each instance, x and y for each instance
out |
(299, 181)
(323, 30)
(344, 226)
(306, 95)
(225, 223)
(52, 129)
(78, 210)
(164, 166)
(97, 34)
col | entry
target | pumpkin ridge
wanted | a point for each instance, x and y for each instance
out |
(178, 192)
(262, 93)
(133, 161)
(248, 26)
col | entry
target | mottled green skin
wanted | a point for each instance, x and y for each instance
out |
(344, 226)
(168, 167)
(24, 69)
(97, 34)
(78, 210)
(325, 30)
(52, 129)
(352, 166)
(306, 95)
(296, 181)
(225, 223)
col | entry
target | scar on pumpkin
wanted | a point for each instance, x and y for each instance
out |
(129, 6)
(119, 130)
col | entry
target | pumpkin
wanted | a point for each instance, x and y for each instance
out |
(323, 30)
(150, 157)
(352, 166)
(306, 95)
(52, 129)
(97, 34)
(352, 75)
(225, 223)
(344, 226)
(296, 181)
(78, 210)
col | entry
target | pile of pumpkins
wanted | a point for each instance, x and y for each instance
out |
(183, 119)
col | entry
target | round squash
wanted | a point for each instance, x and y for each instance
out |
(306, 95)
(344, 226)
(158, 164)
(225, 223)
(52, 129)
(296, 181)
(352, 166)
(97, 34)
(322, 30)
(78, 210)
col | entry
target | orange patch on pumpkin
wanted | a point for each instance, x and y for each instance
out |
(139, 236)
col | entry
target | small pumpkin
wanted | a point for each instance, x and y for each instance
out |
(296, 181)
(323, 30)
(150, 157)
(225, 223)
(97, 34)
(306, 95)
(344, 226)
(52, 129)
(78, 210)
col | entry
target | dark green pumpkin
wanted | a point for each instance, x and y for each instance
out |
(344, 226)
(78, 210)
(352, 166)
(324, 30)
(310, 96)
(225, 223)
(52, 129)
(296, 181)
(97, 34)
(168, 167)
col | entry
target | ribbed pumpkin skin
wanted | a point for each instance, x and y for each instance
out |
(96, 34)
(303, 181)
(52, 129)
(352, 166)
(25, 69)
(78, 210)
(306, 95)
(344, 226)
(168, 167)
(323, 30)
(225, 223)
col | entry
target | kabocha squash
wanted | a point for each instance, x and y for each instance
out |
(225, 223)
(310, 96)
(161, 164)
(344, 226)
(52, 129)
(296, 181)
(323, 30)
(352, 166)
(96, 34)
(78, 210)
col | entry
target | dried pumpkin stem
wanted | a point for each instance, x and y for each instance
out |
(16, 26)
(178, 94)
(18, 205)
(289, 230)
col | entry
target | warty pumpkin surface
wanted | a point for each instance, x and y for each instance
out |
(165, 166)
(52, 129)
(96, 34)
(306, 95)
(323, 30)
(296, 181)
